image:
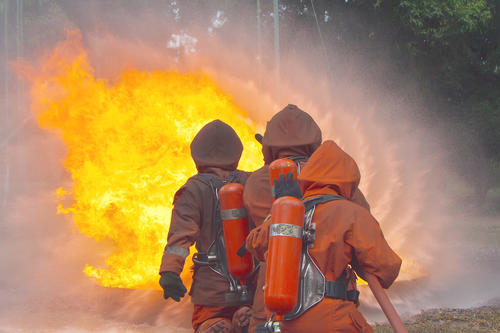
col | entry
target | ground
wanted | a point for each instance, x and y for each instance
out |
(484, 319)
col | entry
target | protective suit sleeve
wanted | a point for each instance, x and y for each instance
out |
(372, 252)
(258, 239)
(184, 229)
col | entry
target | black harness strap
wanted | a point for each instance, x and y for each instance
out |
(297, 160)
(215, 184)
(338, 289)
(320, 200)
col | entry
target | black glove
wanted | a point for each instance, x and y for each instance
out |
(172, 286)
(287, 187)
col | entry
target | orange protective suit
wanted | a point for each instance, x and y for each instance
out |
(289, 133)
(205, 316)
(216, 150)
(346, 234)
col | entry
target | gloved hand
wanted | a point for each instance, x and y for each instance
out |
(241, 319)
(215, 325)
(287, 187)
(172, 286)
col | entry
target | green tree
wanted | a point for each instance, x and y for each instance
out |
(449, 48)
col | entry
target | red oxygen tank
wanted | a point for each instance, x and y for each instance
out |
(284, 255)
(281, 166)
(235, 227)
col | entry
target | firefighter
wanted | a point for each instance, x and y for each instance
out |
(346, 235)
(291, 133)
(216, 151)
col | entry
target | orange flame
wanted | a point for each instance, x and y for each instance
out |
(128, 151)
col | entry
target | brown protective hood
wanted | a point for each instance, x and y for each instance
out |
(291, 127)
(330, 170)
(216, 145)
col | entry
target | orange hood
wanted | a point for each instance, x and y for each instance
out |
(330, 170)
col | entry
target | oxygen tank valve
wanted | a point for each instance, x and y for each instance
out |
(273, 327)
(243, 291)
(269, 327)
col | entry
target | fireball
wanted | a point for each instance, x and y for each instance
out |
(128, 151)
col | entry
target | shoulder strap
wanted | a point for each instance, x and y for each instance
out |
(234, 177)
(320, 200)
(298, 160)
(214, 181)
(209, 180)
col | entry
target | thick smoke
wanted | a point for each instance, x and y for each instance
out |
(403, 165)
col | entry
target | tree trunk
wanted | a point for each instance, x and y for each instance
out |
(6, 62)
(277, 48)
(19, 44)
(5, 110)
(259, 44)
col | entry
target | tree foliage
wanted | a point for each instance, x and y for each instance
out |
(450, 48)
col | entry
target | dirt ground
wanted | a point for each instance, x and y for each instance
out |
(484, 319)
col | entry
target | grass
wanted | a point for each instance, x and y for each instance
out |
(483, 319)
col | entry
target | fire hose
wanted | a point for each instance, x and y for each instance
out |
(385, 303)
